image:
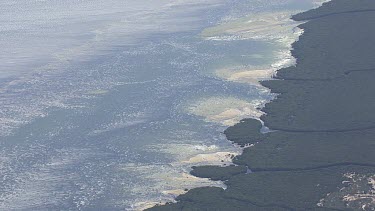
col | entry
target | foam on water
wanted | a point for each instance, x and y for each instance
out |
(39, 45)
(42, 180)
(52, 31)
(164, 181)
(275, 27)
(109, 133)
(174, 179)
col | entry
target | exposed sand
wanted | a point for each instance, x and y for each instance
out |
(226, 110)
(274, 27)
(139, 206)
(183, 181)
(170, 180)
(174, 193)
(245, 76)
(230, 110)
(213, 158)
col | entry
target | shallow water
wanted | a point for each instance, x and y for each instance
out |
(107, 105)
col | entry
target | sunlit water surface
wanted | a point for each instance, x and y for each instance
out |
(106, 105)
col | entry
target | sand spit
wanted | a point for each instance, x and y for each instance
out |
(226, 110)
(171, 187)
(174, 179)
(218, 158)
(243, 75)
(198, 154)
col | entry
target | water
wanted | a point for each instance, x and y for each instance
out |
(107, 104)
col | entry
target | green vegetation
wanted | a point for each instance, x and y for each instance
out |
(285, 150)
(247, 132)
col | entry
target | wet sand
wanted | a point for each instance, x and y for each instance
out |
(227, 111)
(323, 120)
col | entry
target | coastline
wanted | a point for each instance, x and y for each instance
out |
(275, 28)
(307, 160)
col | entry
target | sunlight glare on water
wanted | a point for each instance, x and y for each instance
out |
(107, 104)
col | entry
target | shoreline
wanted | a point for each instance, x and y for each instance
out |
(303, 170)
(233, 109)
